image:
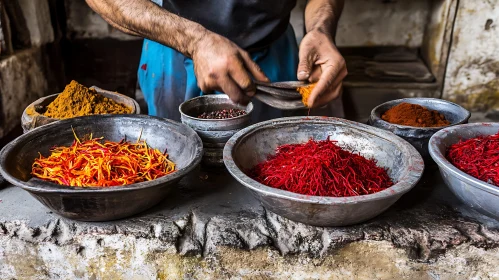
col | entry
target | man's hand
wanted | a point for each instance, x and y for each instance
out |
(221, 65)
(321, 62)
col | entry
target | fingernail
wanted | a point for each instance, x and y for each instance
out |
(304, 74)
(250, 93)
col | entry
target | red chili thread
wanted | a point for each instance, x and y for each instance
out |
(477, 157)
(321, 168)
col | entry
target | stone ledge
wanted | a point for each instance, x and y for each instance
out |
(202, 216)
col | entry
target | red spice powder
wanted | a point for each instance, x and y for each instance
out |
(321, 168)
(477, 157)
(414, 115)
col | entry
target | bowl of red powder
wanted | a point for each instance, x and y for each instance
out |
(468, 158)
(417, 119)
(323, 171)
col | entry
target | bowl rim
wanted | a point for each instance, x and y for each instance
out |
(376, 115)
(443, 163)
(408, 179)
(208, 96)
(50, 187)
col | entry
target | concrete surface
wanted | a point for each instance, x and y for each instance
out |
(473, 68)
(212, 228)
(383, 23)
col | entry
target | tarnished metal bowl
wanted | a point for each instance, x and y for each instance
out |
(213, 132)
(253, 144)
(100, 204)
(192, 108)
(419, 136)
(475, 193)
(32, 119)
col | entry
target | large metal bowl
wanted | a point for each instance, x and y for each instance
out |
(419, 136)
(253, 144)
(475, 193)
(100, 204)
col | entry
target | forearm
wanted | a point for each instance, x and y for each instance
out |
(323, 15)
(146, 19)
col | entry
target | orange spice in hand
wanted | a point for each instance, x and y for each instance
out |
(305, 92)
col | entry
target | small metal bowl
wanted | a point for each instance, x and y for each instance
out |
(190, 109)
(32, 119)
(253, 144)
(475, 193)
(419, 136)
(101, 204)
(213, 131)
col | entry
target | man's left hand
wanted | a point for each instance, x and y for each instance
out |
(321, 62)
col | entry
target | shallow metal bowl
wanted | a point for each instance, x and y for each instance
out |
(475, 193)
(419, 136)
(100, 204)
(32, 119)
(192, 108)
(253, 144)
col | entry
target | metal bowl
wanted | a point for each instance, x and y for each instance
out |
(213, 131)
(475, 193)
(419, 136)
(101, 204)
(31, 119)
(190, 109)
(253, 144)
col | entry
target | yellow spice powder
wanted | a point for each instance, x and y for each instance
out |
(77, 100)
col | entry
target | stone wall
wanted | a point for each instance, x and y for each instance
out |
(30, 69)
(473, 68)
(96, 54)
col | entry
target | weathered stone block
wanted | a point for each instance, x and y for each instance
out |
(84, 23)
(473, 68)
(22, 80)
(37, 17)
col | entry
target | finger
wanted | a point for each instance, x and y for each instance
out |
(239, 75)
(305, 63)
(331, 74)
(334, 93)
(253, 68)
(315, 75)
(235, 93)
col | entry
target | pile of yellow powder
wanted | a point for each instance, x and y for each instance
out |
(77, 100)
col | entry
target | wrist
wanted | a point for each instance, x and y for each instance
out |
(197, 40)
(322, 31)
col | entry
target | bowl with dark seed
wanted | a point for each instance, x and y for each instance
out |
(215, 118)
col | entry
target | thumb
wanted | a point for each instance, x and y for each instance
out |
(305, 64)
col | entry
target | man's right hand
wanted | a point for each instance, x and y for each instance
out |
(220, 65)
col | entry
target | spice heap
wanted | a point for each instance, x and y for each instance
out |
(97, 163)
(477, 157)
(77, 100)
(305, 92)
(321, 168)
(223, 114)
(414, 115)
